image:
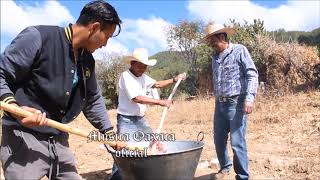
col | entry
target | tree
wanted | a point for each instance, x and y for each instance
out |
(185, 37)
(108, 73)
(311, 39)
(247, 34)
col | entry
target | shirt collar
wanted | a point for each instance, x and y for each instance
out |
(227, 51)
(220, 56)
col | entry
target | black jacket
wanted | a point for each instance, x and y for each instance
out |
(38, 68)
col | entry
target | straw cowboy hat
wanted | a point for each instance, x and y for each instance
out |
(212, 29)
(140, 55)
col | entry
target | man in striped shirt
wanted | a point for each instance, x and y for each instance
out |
(235, 81)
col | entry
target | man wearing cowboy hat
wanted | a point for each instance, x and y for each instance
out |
(133, 86)
(235, 81)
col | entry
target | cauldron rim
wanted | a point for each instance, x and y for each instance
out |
(201, 145)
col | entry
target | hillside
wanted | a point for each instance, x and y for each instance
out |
(168, 64)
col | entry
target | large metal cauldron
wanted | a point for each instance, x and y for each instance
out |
(179, 163)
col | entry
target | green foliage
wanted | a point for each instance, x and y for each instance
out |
(247, 34)
(185, 37)
(204, 53)
(282, 35)
(169, 64)
(172, 63)
(108, 74)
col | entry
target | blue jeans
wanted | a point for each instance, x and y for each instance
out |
(229, 117)
(130, 125)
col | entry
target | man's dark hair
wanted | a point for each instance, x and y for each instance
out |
(99, 11)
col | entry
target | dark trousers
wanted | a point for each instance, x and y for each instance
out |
(26, 154)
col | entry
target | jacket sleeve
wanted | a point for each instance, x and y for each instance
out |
(95, 109)
(16, 61)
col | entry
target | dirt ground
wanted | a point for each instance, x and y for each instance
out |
(283, 137)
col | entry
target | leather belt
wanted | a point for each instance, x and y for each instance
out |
(227, 99)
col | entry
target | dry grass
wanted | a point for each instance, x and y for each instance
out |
(283, 136)
(286, 66)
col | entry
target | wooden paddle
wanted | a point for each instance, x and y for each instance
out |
(18, 111)
(164, 113)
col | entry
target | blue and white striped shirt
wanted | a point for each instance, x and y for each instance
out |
(234, 73)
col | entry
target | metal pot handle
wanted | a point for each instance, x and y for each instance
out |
(200, 136)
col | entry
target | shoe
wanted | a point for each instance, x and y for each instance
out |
(116, 176)
(221, 174)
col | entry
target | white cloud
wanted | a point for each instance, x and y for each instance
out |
(148, 33)
(113, 48)
(14, 17)
(295, 15)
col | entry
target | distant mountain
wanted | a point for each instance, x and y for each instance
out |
(169, 63)
(293, 36)
(317, 31)
(167, 57)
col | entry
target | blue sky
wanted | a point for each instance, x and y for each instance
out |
(144, 21)
(168, 10)
(171, 10)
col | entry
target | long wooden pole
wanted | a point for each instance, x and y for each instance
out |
(18, 111)
(164, 113)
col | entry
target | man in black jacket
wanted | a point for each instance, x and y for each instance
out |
(49, 71)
